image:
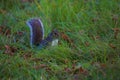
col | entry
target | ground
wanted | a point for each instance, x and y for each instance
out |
(89, 42)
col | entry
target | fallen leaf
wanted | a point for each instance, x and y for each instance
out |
(95, 19)
(1, 29)
(73, 66)
(116, 31)
(40, 66)
(7, 32)
(87, 43)
(37, 59)
(97, 37)
(27, 55)
(115, 17)
(9, 50)
(112, 46)
(3, 11)
(81, 32)
(81, 70)
(77, 77)
(43, 66)
(20, 33)
(103, 65)
(4, 30)
(66, 38)
(68, 70)
(48, 69)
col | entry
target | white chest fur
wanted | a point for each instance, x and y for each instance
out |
(54, 42)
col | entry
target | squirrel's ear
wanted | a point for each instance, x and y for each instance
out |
(54, 30)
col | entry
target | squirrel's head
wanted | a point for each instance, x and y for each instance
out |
(55, 36)
(55, 33)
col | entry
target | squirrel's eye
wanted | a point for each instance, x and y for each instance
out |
(55, 33)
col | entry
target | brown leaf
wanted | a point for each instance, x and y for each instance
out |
(97, 37)
(4, 30)
(66, 38)
(1, 29)
(7, 32)
(66, 61)
(48, 69)
(100, 67)
(40, 66)
(68, 70)
(37, 59)
(116, 31)
(43, 66)
(20, 33)
(27, 55)
(9, 50)
(103, 65)
(73, 66)
(115, 18)
(81, 70)
(112, 46)
(3, 11)
(87, 43)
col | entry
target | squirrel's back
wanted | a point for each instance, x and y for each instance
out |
(36, 30)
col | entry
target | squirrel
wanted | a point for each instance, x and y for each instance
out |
(37, 34)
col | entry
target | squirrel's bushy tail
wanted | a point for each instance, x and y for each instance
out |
(36, 31)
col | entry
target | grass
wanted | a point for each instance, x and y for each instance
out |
(91, 25)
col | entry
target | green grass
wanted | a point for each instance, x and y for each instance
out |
(89, 24)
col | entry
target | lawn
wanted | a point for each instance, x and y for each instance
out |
(89, 41)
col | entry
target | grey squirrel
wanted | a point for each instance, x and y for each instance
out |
(37, 34)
